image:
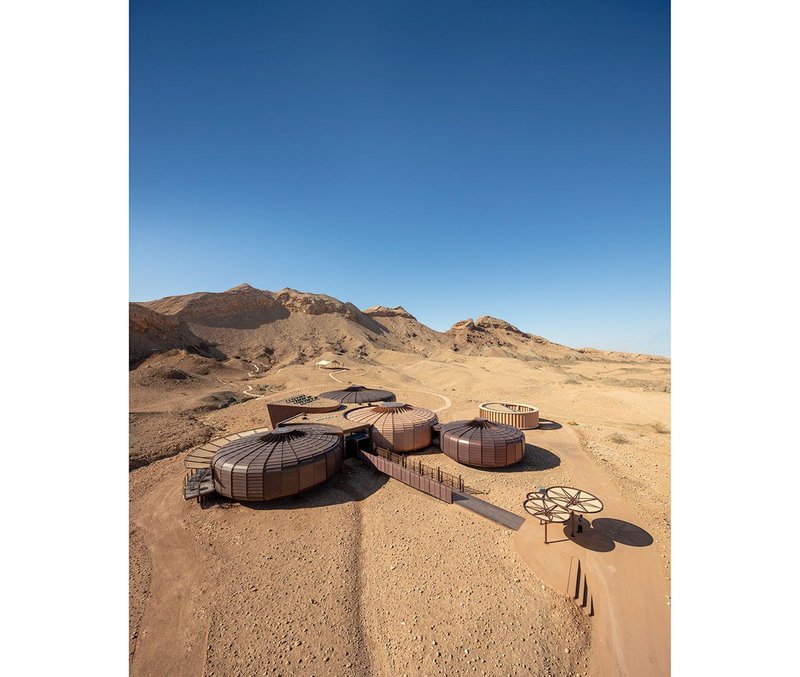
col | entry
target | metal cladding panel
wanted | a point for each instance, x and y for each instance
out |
(356, 394)
(396, 426)
(274, 464)
(522, 416)
(482, 443)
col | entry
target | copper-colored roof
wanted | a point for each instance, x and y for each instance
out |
(482, 443)
(397, 426)
(276, 463)
(356, 394)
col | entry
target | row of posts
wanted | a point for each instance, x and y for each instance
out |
(404, 464)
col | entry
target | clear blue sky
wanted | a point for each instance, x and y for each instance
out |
(459, 158)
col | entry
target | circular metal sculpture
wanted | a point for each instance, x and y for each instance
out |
(396, 426)
(574, 500)
(359, 395)
(545, 510)
(482, 443)
(522, 416)
(276, 463)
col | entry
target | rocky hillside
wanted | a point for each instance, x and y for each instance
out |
(152, 332)
(289, 327)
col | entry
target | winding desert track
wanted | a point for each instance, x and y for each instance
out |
(447, 401)
(630, 628)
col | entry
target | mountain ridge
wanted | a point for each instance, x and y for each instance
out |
(290, 326)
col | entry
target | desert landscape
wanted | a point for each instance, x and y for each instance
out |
(365, 575)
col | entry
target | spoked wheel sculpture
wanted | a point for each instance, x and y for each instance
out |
(545, 510)
(574, 500)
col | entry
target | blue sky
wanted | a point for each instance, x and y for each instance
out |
(457, 158)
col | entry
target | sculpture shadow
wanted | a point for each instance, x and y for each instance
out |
(623, 532)
(354, 483)
(590, 538)
(547, 424)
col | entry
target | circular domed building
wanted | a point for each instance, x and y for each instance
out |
(359, 395)
(276, 463)
(482, 443)
(396, 426)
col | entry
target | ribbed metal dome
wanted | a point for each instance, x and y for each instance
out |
(482, 443)
(356, 394)
(397, 426)
(276, 463)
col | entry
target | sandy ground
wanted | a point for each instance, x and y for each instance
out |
(365, 575)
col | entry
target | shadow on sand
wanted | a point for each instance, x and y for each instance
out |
(355, 482)
(623, 532)
(535, 458)
(590, 538)
(547, 424)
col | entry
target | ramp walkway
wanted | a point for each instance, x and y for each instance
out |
(489, 510)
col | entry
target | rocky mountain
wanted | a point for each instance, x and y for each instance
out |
(290, 327)
(153, 332)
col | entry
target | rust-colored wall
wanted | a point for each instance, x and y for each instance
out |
(396, 426)
(482, 451)
(278, 411)
(412, 479)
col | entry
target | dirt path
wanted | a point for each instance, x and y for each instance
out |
(172, 641)
(630, 628)
(447, 401)
(331, 374)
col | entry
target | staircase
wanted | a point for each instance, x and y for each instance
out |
(578, 587)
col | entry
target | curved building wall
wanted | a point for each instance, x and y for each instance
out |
(482, 443)
(276, 464)
(396, 426)
(522, 416)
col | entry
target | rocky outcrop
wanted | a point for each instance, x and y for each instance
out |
(151, 332)
(384, 311)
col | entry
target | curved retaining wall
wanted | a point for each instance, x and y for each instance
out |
(522, 416)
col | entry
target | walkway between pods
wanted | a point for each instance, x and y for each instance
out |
(489, 511)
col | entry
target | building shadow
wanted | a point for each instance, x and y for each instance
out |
(354, 483)
(534, 458)
(547, 424)
(623, 532)
(590, 538)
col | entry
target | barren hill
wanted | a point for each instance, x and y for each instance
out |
(152, 332)
(290, 327)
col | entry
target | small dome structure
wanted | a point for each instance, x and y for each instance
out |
(396, 426)
(276, 463)
(482, 443)
(359, 395)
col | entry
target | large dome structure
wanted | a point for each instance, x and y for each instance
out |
(276, 463)
(356, 394)
(397, 426)
(482, 443)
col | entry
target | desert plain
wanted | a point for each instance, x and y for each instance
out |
(365, 575)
